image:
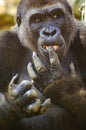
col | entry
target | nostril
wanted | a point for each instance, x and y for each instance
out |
(53, 32)
(49, 32)
(46, 33)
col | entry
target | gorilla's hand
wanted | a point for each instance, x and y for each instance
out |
(42, 75)
(21, 100)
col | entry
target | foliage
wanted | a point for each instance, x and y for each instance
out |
(6, 21)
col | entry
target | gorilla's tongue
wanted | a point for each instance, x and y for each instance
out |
(55, 47)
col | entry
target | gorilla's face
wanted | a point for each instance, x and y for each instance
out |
(47, 26)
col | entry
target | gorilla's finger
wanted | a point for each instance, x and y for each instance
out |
(20, 89)
(54, 60)
(55, 63)
(2, 98)
(72, 70)
(38, 63)
(34, 107)
(14, 81)
(45, 105)
(23, 87)
(27, 98)
(31, 71)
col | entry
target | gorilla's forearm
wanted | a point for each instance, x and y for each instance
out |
(68, 93)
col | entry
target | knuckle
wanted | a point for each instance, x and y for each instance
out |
(35, 106)
(31, 93)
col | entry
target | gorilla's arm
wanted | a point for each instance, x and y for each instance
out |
(69, 93)
(66, 91)
(78, 50)
(69, 90)
(17, 99)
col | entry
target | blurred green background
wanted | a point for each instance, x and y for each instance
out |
(8, 11)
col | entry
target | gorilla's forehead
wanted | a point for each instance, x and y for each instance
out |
(45, 9)
(39, 3)
(31, 5)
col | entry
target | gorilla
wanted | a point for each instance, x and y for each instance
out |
(43, 69)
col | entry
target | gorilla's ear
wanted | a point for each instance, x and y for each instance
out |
(18, 20)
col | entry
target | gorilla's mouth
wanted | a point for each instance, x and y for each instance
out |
(55, 47)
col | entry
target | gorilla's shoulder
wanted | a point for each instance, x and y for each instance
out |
(9, 37)
(83, 35)
(11, 46)
(80, 37)
(9, 41)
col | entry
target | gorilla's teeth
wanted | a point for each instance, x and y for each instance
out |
(44, 47)
(47, 47)
(55, 47)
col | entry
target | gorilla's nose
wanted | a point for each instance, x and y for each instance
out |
(50, 31)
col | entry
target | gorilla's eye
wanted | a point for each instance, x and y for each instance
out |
(36, 18)
(57, 13)
(55, 16)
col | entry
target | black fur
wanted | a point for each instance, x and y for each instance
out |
(68, 94)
